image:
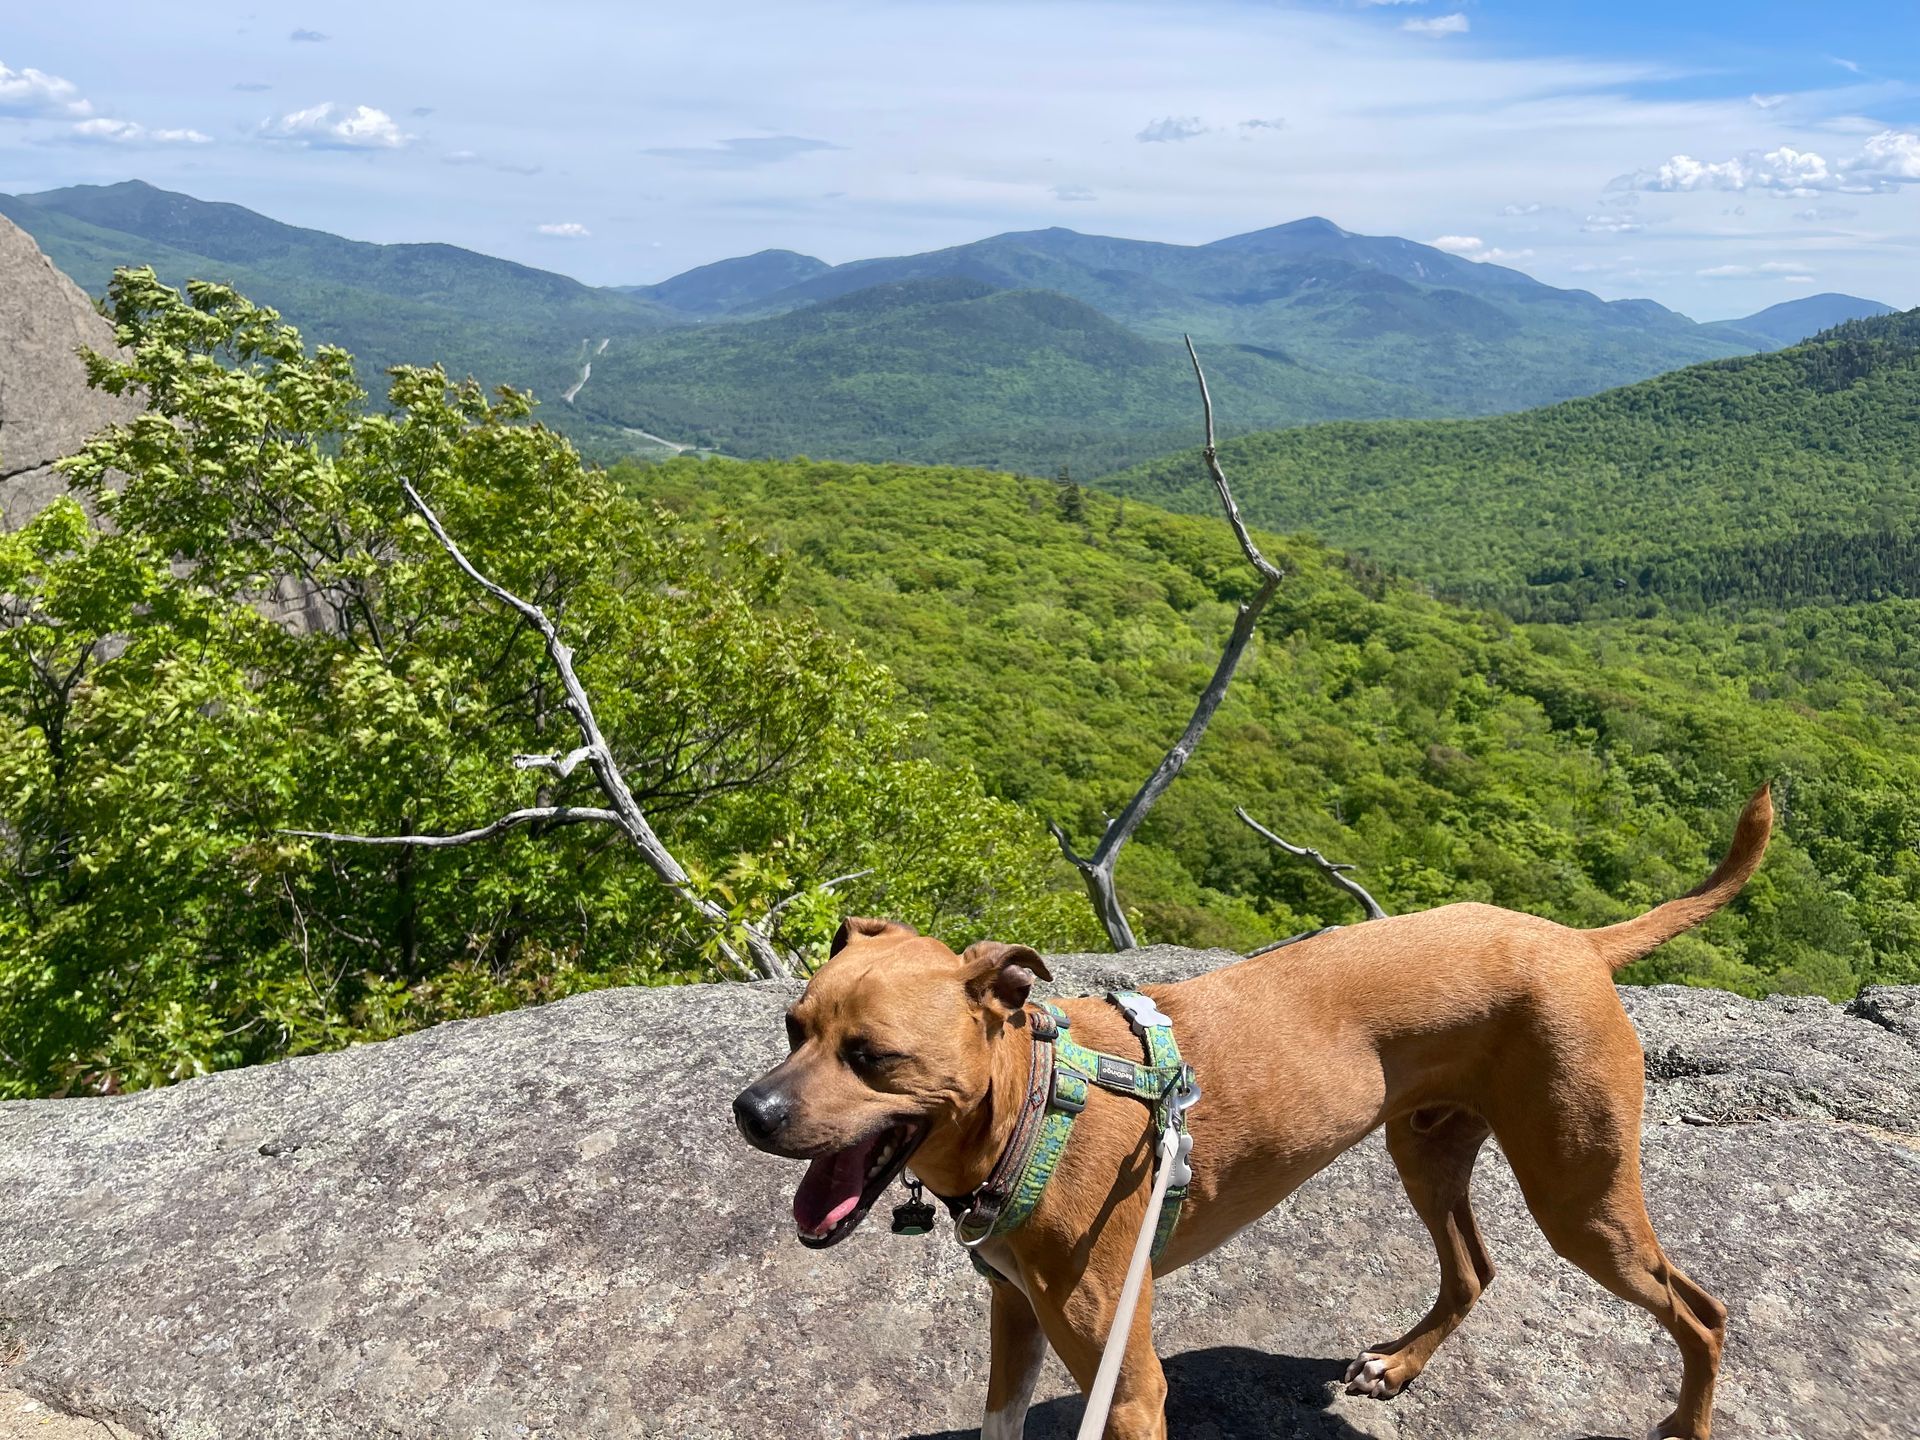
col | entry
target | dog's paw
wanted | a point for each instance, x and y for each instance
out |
(1369, 1376)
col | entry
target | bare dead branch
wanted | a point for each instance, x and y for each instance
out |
(779, 905)
(1097, 870)
(1211, 454)
(624, 811)
(561, 765)
(1335, 873)
(512, 820)
(1273, 945)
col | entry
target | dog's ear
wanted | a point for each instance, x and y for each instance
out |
(857, 925)
(1000, 976)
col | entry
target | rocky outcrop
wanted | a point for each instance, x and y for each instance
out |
(542, 1225)
(46, 409)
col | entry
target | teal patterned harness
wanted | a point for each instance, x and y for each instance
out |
(1164, 1082)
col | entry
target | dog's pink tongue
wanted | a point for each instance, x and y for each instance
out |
(831, 1190)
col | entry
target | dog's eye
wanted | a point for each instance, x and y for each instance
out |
(865, 1057)
(796, 1036)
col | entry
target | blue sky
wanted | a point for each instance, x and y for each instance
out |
(1715, 157)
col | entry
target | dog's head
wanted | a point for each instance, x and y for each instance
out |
(890, 1044)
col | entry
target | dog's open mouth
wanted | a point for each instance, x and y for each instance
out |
(840, 1188)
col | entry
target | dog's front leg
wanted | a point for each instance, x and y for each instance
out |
(1078, 1332)
(1019, 1348)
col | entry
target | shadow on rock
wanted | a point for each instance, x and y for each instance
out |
(1214, 1394)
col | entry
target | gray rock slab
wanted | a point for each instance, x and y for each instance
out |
(542, 1224)
(46, 410)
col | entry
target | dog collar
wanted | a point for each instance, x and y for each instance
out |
(1056, 1093)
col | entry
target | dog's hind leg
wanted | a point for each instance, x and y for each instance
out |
(1580, 1172)
(1435, 1153)
(1019, 1349)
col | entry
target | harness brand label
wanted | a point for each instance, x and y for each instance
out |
(1116, 1072)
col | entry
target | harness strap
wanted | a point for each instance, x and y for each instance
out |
(983, 1216)
(1062, 1068)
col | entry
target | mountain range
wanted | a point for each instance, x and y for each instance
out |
(1773, 479)
(1024, 351)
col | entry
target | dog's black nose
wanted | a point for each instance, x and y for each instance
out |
(760, 1113)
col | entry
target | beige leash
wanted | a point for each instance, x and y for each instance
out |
(1175, 1146)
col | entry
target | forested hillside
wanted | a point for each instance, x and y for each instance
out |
(1770, 479)
(1024, 351)
(953, 370)
(819, 670)
(1473, 338)
(1057, 639)
(388, 304)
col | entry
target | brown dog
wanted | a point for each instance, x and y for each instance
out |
(1444, 1026)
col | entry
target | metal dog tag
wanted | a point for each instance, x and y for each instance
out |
(913, 1216)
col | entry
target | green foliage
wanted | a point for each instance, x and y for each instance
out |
(1450, 754)
(156, 922)
(951, 370)
(1776, 479)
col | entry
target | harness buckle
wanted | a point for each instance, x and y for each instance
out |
(1142, 1013)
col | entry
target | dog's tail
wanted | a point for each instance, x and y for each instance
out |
(1628, 941)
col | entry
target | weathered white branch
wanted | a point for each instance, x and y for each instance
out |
(1336, 873)
(774, 910)
(555, 814)
(1096, 870)
(625, 811)
(561, 765)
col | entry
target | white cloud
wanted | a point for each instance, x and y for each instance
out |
(1364, 4)
(33, 94)
(1816, 213)
(328, 126)
(1852, 65)
(1790, 270)
(1275, 123)
(1886, 160)
(1472, 247)
(743, 152)
(308, 37)
(1605, 224)
(103, 131)
(1073, 192)
(1532, 207)
(463, 157)
(1768, 102)
(1171, 130)
(1438, 25)
(565, 229)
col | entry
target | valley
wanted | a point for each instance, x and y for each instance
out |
(1027, 351)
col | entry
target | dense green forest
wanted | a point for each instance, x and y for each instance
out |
(163, 732)
(813, 669)
(1766, 480)
(1057, 638)
(953, 370)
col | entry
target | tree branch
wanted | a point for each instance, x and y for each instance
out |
(1336, 874)
(1097, 870)
(624, 811)
(1211, 455)
(557, 814)
(561, 765)
(774, 910)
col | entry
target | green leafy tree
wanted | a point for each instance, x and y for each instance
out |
(261, 637)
